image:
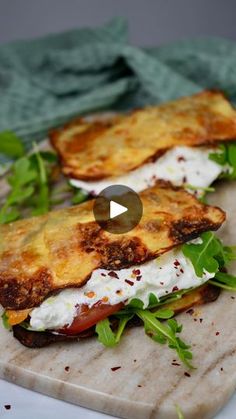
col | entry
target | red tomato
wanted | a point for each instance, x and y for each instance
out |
(88, 317)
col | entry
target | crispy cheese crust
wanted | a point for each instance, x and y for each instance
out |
(90, 151)
(42, 255)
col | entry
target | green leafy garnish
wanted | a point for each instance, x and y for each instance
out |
(42, 199)
(122, 324)
(154, 328)
(179, 412)
(226, 156)
(199, 188)
(204, 256)
(105, 334)
(166, 333)
(79, 196)
(5, 321)
(11, 145)
(29, 187)
(225, 281)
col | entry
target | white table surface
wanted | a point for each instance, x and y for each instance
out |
(26, 404)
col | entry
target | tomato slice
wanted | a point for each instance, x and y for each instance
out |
(87, 317)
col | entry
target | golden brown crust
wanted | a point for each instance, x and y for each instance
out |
(90, 151)
(61, 249)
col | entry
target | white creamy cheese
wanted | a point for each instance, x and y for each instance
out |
(179, 165)
(162, 276)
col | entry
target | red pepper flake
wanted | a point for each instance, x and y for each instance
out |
(217, 333)
(129, 282)
(222, 369)
(181, 270)
(139, 385)
(195, 320)
(162, 283)
(90, 294)
(176, 262)
(67, 368)
(113, 274)
(232, 297)
(105, 299)
(175, 288)
(115, 368)
(7, 406)
(187, 374)
(135, 360)
(136, 271)
(175, 364)
(178, 275)
(181, 158)
(184, 179)
(119, 292)
(201, 320)
(102, 274)
(190, 311)
(138, 278)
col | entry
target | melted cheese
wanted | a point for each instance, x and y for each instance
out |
(179, 165)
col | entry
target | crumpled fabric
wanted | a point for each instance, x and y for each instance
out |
(44, 82)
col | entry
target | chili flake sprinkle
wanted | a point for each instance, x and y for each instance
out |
(115, 368)
(90, 294)
(7, 406)
(113, 274)
(136, 272)
(131, 283)
(105, 299)
(67, 368)
(176, 262)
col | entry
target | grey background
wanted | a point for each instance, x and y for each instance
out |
(151, 22)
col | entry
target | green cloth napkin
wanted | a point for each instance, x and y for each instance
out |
(46, 81)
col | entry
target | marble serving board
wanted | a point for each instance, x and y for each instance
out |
(137, 379)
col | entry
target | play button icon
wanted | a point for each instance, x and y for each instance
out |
(118, 209)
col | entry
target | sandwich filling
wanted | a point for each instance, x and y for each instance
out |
(180, 165)
(162, 276)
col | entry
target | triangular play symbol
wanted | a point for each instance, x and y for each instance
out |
(116, 209)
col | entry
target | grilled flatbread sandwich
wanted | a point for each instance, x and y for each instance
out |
(189, 141)
(63, 277)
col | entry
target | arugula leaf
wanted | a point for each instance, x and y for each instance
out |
(199, 188)
(166, 334)
(42, 201)
(29, 182)
(105, 333)
(203, 256)
(225, 281)
(226, 156)
(121, 327)
(79, 196)
(211, 255)
(163, 313)
(21, 189)
(179, 412)
(5, 321)
(11, 145)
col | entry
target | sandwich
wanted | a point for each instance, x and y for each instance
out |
(189, 141)
(62, 277)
